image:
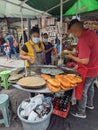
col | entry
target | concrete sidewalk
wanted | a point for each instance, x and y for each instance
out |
(13, 63)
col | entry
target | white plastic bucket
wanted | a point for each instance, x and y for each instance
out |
(42, 124)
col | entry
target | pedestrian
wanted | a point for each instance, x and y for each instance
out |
(10, 41)
(54, 53)
(57, 42)
(7, 50)
(87, 60)
(24, 36)
(48, 49)
(2, 41)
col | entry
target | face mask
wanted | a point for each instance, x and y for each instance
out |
(35, 40)
(45, 40)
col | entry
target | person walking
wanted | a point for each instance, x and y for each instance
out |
(7, 50)
(87, 60)
(10, 41)
(2, 41)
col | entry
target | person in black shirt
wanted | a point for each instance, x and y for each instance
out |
(2, 41)
(24, 36)
(48, 49)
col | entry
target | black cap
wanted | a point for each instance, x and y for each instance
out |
(34, 30)
(74, 21)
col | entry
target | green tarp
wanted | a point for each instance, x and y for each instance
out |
(69, 8)
(45, 5)
(82, 6)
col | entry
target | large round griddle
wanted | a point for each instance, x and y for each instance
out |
(32, 82)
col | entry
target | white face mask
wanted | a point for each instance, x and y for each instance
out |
(45, 40)
(35, 40)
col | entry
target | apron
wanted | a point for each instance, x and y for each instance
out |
(38, 60)
(82, 70)
(39, 56)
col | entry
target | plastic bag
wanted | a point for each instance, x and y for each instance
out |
(32, 116)
(24, 104)
(37, 99)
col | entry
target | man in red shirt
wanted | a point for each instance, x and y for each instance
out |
(87, 51)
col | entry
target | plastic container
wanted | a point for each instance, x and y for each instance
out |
(61, 113)
(42, 124)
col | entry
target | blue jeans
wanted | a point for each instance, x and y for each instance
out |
(87, 95)
(2, 49)
(14, 50)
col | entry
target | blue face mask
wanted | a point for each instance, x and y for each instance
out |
(45, 40)
(35, 39)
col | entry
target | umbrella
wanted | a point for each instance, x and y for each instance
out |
(82, 6)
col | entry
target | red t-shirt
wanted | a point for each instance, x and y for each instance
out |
(88, 48)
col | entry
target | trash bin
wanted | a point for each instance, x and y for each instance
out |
(42, 124)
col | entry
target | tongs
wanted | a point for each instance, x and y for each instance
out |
(42, 66)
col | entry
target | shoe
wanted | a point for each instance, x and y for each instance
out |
(83, 116)
(17, 58)
(11, 61)
(90, 107)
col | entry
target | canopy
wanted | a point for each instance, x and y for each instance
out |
(50, 6)
(82, 6)
(70, 7)
(13, 8)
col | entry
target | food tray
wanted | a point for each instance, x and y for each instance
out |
(65, 69)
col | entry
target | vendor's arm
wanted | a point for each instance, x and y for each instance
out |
(23, 54)
(83, 52)
(50, 49)
(84, 61)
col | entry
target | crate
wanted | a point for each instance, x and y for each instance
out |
(61, 113)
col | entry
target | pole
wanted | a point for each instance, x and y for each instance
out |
(22, 36)
(76, 8)
(61, 22)
(22, 27)
(29, 27)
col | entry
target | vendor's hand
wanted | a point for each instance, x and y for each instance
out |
(29, 58)
(51, 49)
(70, 56)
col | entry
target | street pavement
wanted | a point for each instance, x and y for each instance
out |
(13, 63)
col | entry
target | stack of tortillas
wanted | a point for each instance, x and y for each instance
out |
(17, 71)
(31, 82)
(14, 78)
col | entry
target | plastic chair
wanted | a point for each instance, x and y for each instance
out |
(4, 79)
(4, 104)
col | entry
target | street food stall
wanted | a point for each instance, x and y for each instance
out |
(48, 80)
